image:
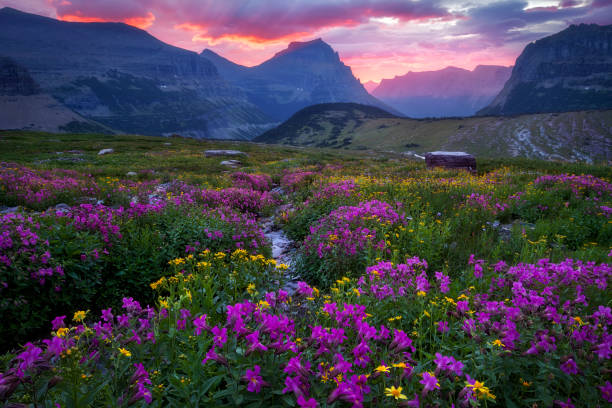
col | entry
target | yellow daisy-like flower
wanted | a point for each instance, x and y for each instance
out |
(395, 392)
(251, 289)
(263, 304)
(498, 343)
(62, 331)
(421, 293)
(382, 369)
(79, 316)
(125, 352)
(400, 365)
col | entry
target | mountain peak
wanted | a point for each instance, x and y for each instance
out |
(317, 45)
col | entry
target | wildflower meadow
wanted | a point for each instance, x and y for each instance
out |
(399, 286)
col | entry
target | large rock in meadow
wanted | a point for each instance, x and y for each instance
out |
(451, 160)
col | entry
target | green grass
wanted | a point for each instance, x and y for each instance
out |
(572, 136)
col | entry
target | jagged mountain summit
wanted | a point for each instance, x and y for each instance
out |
(126, 79)
(447, 92)
(305, 73)
(567, 71)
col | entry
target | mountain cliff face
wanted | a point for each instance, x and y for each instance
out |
(126, 79)
(447, 92)
(567, 71)
(304, 74)
(23, 105)
(16, 80)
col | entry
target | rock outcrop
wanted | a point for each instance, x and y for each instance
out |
(451, 160)
(15, 79)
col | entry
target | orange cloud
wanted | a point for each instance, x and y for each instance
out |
(140, 22)
(201, 35)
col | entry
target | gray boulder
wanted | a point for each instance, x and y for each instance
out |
(451, 160)
(231, 163)
(216, 153)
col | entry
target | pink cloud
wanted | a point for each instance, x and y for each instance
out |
(377, 38)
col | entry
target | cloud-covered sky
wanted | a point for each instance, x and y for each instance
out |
(377, 38)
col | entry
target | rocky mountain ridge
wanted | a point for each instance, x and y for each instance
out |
(570, 70)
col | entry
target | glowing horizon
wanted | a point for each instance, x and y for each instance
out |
(377, 38)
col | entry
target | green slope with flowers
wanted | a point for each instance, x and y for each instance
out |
(155, 276)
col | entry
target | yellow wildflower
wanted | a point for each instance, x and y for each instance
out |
(394, 392)
(498, 343)
(62, 331)
(382, 369)
(125, 352)
(79, 316)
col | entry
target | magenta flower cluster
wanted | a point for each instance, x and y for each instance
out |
(350, 229)
(259, 182)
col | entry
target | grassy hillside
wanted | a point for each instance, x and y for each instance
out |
(582, 136)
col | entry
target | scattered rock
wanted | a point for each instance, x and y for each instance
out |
(131, 174)
(410, 153)
(213, 153)
(61, 159)
(451, 160)
(231, 163)
(106, 151)
(505, 230)
(8, 210)
(62, 207)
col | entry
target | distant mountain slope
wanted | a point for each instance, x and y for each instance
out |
(128, 80)
(447, 92)
(584, 136)
(370, 86)
(567, 71)
(328, 119)
(306, 73)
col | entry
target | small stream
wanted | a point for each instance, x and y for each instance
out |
(283, 248)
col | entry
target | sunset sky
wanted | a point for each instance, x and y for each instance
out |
(377, 38)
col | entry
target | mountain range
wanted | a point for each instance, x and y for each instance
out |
(112, 77)
(447, 92)
(120, 78)
(125, 79)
